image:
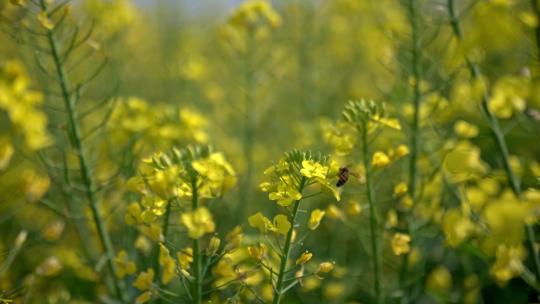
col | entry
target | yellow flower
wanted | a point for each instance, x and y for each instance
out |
(325, 267)
(391, 219)
(213, 246)
(353, 208)
(198, 222)
(457, 227)
(439, 279)
(44, 20)
(167, 264)
(35, 186)
(315, 219)
(257, 252)
(282, 224)
(464, 129)
(334, 212)
(234, 238)
(144, 280)
(506, 218)
(304, 258)
(124, 265)
(133, 215)
(380, 160)
(400, 243)
(144, 297)
(341, 136)
(259, 221)
(6, 152)
(312, 169)
(185, 258)
(400, 189)
(285, 195)
(401, 151)
(463, 163)
(508, 263)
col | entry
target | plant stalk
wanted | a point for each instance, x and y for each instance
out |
(278, 291)
(373, 220)
(197, 262)
(86, 173)
(415, 130)
(536, 10)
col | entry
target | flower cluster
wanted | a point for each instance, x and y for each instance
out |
(136, 118)
(167, 178)
(297, 171)
(21, 107)
(251, 21)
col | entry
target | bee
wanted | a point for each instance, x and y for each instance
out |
(343, 176)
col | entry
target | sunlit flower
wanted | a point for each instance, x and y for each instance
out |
(380, 160)
(167, 263)
(325, 267)
(198, 222)
(315, 218)
(257, 252)
(313, 169)
(304, 258)
(400, 243)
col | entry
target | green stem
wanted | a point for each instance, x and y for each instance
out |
(498, 136)
(417, 96)
(165, 229)
(278, 291)
(249, 125)
(376, 259)
(415, 130)
(197, 258)
(86, 173)
(536, 10)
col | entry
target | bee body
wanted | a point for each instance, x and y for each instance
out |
(343, 176)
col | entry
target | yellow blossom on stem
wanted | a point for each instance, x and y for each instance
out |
(457, 227)
(282, 224)
(44, 20)
(508, 263)
(380, 160)
(144, 297)
(213, 245)
(315, 218)
(325, 267)
(198, 222)
(401, 151)
(312, 169)
(259, 221)
(304, 258)
(400, 243)
(400, 189)
(167, 263)
(144, 280)
(185, 258)
(124, 265)
(285, 195)
(257, 252)
(464, 129)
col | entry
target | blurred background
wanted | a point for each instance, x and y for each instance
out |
(254, 86)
